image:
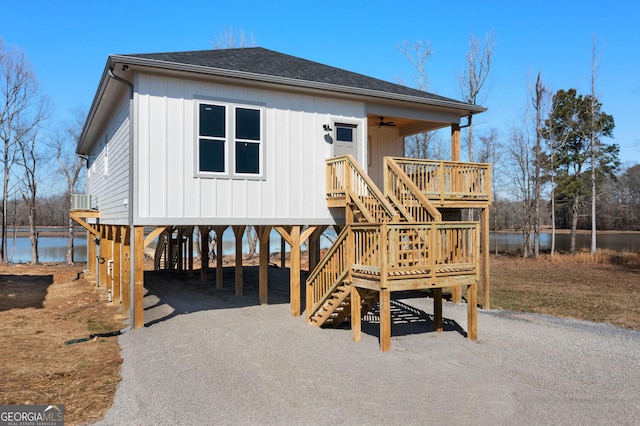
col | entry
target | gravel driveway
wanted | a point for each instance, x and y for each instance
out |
(209, 357)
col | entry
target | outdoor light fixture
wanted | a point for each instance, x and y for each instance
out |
(125, 68)
(327, 128)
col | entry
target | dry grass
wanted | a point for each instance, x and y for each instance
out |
(41, 308)
(604, 288)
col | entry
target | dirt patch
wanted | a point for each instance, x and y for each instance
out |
(42, 307)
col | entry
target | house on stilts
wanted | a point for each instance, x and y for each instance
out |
(251, 137)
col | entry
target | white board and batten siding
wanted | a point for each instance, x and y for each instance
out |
(292, 190)
(108, 168)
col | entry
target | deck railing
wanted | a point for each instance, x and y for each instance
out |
(346, 179)
(449, 180)
(393, 251)
(406, 195)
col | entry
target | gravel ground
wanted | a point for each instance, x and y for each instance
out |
(209, 357)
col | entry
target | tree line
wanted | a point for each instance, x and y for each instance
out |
(35, 157)
(555, 167)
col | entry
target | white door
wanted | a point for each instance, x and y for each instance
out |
(345, 140)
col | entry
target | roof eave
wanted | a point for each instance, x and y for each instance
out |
(307, 84)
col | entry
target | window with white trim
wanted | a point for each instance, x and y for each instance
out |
(230, 140)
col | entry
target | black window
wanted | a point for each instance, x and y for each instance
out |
(221, 124)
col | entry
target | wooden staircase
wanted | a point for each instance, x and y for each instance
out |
(395, 240)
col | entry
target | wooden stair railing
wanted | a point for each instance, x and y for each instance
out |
(325, 280)
(405, 195)
(352, 187)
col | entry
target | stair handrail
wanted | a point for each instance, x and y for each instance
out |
(360, 188)
(342, 269)
(410, 190)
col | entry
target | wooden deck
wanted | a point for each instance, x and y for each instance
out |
(395, 239)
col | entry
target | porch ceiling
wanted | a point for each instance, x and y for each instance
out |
(406, 126)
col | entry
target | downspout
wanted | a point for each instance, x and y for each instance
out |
(129, 204)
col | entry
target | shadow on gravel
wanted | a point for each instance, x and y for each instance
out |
(172, 293)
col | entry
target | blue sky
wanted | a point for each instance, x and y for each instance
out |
(68, 43)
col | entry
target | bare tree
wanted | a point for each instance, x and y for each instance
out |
(594, 130)
(18, 97)
(473, 79)
(229, 38)
(426, 144)
(30, 160)
(70, 165)
(522, 181)
(539, 101)
(491, 152)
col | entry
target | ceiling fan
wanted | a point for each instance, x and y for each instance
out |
(383, 123)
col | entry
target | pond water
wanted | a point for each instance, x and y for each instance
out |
(53, 249)
(617, 241)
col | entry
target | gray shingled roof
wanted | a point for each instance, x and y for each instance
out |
(260, 61)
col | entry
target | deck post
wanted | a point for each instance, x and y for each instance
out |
(190, 250)
(294, 271)
(117, 249)
(472, 311)
(91, 257)
(356, 313)
(455, 142)
(105, 256)
(238, 231)
(486, 292)
(179, 234)
(126, 271)
(264, 232)
(204, 252)
(138, 274)
(437, 309)
(314, 247)
(385, 320)
(219, 230)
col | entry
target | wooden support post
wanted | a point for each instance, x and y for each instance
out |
(294, 271)
(455, 142)
(295, 238)
(105, 254)
(190, 250)
(219, 230)
(437, 309)
(264, 232)
(484, 252)
(385, 320)
(168, 264)
(472, 312)
(238, 231)
(138, 280)
(117, 262)
(314, 247)
(356, 313)
(179, 247)
(456, 294)
(91, 257)
(204, 252)
(126, 270)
